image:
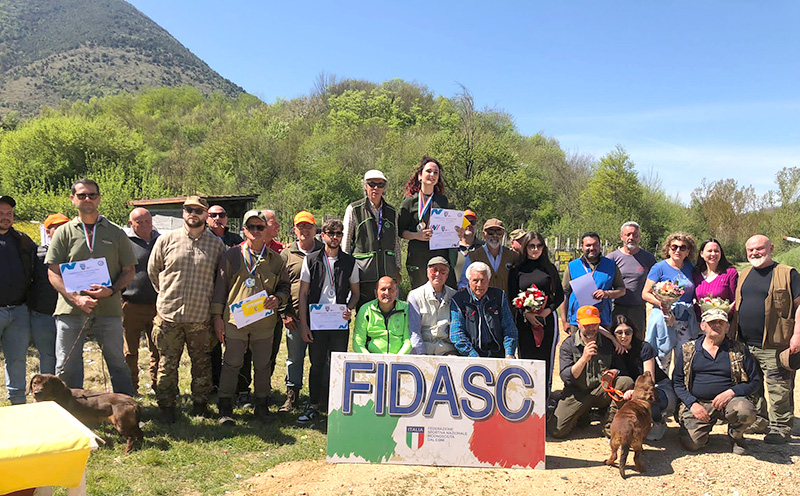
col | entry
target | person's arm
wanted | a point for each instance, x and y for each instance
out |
(360, 331)
(510, 333)
(678, 381)
(618, 286)
(566, 360)
(647, 293)
(405, 349)
(617, 346)
(462, 279)
(557, 297)
(84, 302)
(589, 351)
(458, 336)
(563, 311)
(414, 326)
(305, 330)
(155, 264)
(349, 230)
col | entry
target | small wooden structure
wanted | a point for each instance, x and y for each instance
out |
(167, 212)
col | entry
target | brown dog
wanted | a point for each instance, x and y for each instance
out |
(91, 408)
(632, 423)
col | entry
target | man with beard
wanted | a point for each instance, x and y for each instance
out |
(182, 268)
(514, 239)
(767, 298)
(98, 309)
(607, 278)
(494, 254)
(584, 355)
(634, 264)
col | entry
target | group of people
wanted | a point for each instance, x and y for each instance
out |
(188, 287)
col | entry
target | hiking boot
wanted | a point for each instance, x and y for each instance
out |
(225, 406)
(261, 411)
(243, 400)
(775, 437)
(199, 410)
(167, 414)
(292, 395)
(309, 416)
(738, 446)
(760, 426)
(657, 431)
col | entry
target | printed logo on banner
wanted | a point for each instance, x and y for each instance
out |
(415, 437)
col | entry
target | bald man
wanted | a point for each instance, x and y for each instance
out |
(139, 297)
(767, 298)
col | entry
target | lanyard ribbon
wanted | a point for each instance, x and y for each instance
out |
(423, 209)
(250, 266)
(380, 221)
(330, 272)
(89, 244)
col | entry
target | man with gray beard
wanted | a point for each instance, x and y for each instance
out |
(494, 254)
(767, 297)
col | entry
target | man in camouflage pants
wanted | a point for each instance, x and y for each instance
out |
(181, 268)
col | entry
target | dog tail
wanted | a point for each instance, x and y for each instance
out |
(622, 453)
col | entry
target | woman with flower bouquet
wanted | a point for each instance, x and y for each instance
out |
(535, 289)
(670, 289)
(715, 280)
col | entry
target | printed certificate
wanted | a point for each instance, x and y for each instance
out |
(79, 276)
(327, 317)
(250, 310)
(443, 224)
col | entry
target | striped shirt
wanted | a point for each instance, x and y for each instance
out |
(182, 270)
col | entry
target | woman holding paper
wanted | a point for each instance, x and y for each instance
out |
(424, 192)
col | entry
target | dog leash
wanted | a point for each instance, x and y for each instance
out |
(607, 381)
(86, 325)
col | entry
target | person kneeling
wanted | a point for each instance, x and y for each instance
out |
(713, 377)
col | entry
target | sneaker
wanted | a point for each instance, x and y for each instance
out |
(760, 426)
(657, 431)
(775, 437)
(738, 446)
(309, 416)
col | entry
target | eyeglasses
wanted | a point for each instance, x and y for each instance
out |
(214, 215)
(255, 227)
(334, 234)
(192, 210)
(628, 332)
(83, 196)
(373, 184)
(439, 270)
(678, 247)
(535, 246)
(494, 232)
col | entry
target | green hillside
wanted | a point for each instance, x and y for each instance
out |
(77, 49)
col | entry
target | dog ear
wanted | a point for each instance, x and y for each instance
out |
(30, 384)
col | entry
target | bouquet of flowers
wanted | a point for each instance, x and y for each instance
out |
(707, 303)
(530, 300)
(667, 292)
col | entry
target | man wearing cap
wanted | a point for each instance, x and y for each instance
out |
(382, 324)
(713, 377)
(328, 277)
(243, 272)
(429, 312)
(370, 235)
(139, 297)
(17, 261)
(634, 264)
(606, 277)
(305, 229)
(583, 357)
(481, 323)
(767, 302)
(182, 267)
(43, 300)
(467, 241)
(513, 240)
(494, 254)
(97, 310)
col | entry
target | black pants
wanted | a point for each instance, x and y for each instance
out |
(320, 350)
(528, 349)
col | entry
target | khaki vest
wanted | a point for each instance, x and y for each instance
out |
(499, 279)
(778, 306)
(434, 319)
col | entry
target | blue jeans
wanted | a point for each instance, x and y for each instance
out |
(71, 331)
(296, 348)
(15, 333)
(43, 330)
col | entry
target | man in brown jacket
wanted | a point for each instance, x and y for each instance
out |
(494, 254)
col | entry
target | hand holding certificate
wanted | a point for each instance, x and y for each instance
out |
(250, 309)
(328, 317)
(85, 274)
(444, 223)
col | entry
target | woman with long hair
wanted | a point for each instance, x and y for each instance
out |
(537, 333)
(715, 276)
(424, 192)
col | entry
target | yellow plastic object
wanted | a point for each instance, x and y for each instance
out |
(41, 444)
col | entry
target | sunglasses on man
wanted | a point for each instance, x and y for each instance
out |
(193, 210)
(83, 196)
(376, 184)
(255, 227)
(334, 234)
(214, 215)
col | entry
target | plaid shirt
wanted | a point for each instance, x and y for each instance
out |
(182, 271)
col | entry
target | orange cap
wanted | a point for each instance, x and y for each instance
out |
(304, 217)
(55, 219)
(469, 214)
(588, 314)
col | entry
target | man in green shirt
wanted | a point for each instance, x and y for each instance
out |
(99, 309)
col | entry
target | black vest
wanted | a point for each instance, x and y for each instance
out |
(376, 256)
(483, 324)
(341, 275)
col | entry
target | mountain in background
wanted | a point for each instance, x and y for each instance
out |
(77, 49)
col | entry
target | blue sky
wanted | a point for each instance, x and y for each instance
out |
(692, 90)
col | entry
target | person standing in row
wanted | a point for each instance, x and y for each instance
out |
(99, 309)
(634, 264)
(328, 277)
(245, 271)
(467, 242)
(182, 268)
(424, 192)
(139, 298)
(370, 235)
(305, 227)
(494, 254)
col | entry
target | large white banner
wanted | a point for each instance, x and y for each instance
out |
(429, 410)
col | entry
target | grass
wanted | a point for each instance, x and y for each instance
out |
(194, 455)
